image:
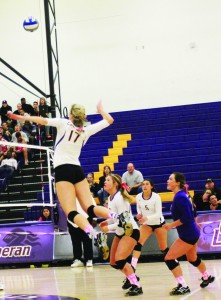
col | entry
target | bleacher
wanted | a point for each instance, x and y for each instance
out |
(162, 140)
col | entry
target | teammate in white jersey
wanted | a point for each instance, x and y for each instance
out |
(149, 214)
(123, 244)
(69, 176)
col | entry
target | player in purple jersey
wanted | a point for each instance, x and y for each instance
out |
(188, 232)
(69, 175)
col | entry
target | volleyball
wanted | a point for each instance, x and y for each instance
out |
(30, 24)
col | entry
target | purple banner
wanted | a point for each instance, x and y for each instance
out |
(210, 239)
(26, 242)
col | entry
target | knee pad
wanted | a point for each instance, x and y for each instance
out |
(196, 263)
(72, 214)
(164, 252)
(172, 264)
(90, 211)
(138, 247)
(121, 263)
(115, 267)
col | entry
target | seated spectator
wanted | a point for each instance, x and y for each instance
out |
(102, 194)
(22, 122)
(46, 214)
(4, 136)
(94, 187)
(31, 132)
(3, 149)
(3, 111)
(20, 150)
(23, 134)
(202, 201)
(214, 203)
(8, 167)
(7, 131)
(211, 185)
(134, 180)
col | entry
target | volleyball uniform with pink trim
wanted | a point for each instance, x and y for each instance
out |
(118, 205)
(150, 208)
(70, 139)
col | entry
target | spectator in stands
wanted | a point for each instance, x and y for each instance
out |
(44, 111)
(22, 113)
(5, 136)
(46, 214)
(7, 131)
(31, 132)
(94, 186)
(214, 203)
(23, 134)
(211, 185)
(35, 109)
(134, 179)
(102, 194)
(81, 240)
(16, 112)
(27, 107)
(20, 150)
(3, 149)
(201, 202)
(3, 111)
(8, 167)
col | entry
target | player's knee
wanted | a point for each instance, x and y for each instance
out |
(90, 211)
(72, 214)
(196, 263)
(138, 247)
(172, 264)
(121, 263)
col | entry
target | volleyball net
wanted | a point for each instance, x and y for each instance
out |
(30, 185)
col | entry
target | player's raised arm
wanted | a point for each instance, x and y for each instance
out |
(104, 114)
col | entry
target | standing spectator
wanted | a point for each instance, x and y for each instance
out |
(35, 109)
(188, 235)
(27, 107)
(94, 186)
(44, 111)
(211, 185)
(102, 194)
(16, 112)
(80, 239)
(3, 111)
(134, 179)
(213, 203)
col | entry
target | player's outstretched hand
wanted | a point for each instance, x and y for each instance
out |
(100, 108)
(13, 116)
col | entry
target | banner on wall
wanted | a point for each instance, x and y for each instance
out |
(26, 242)
(210, 239)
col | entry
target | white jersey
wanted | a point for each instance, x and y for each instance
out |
(70, 139)
(119, 205)
(150, 208)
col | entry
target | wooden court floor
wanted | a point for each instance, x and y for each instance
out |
(102, 282)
